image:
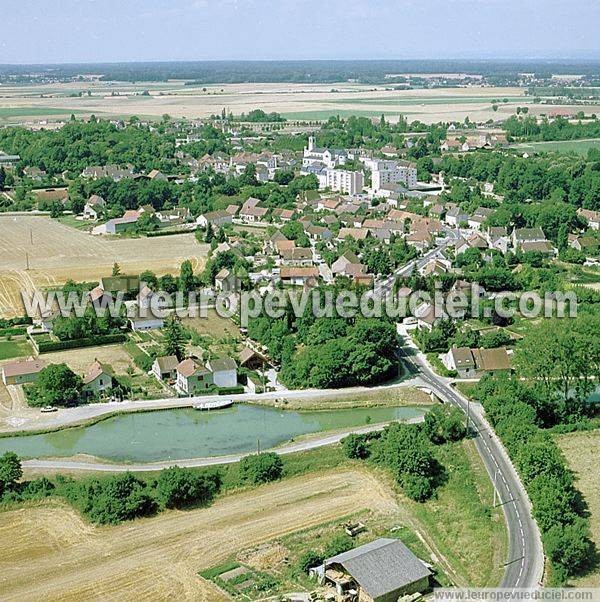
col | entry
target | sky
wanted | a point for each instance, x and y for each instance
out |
(62, 31)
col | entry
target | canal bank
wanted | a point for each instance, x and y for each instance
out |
(177, 434)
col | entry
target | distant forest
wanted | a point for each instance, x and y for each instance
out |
(374, 72)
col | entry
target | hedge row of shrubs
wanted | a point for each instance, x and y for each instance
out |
(558, 507)
(116, 498)
(155, 233)
(106, 339)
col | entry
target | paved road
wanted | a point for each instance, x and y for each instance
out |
(525, 564)
(82, 414)
(385, 285)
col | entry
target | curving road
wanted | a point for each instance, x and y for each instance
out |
(525, 565)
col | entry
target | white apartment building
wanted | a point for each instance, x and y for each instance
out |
(341, 180)
(391, 172)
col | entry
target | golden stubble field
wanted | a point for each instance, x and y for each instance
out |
(121, 99)
(58, 253)
(582, 451)
(49, 553)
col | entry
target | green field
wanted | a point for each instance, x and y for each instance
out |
(579, 147)
(8, 112)
(10, 349)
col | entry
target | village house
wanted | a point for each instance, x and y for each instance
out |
(471, 363)
(98, 378)
(165, 367)
(585, 244)
(380, 571)
(478, 218)
(192, 377)
(34, 173)
(354, 233)
(226, 281)
(298, 276)
(224, 371)
(497, 238)
(283, 215)
(592, 217)
(531, 239)
(296, 256)
(215, 219)
(22, 372)
(252, 214)
(251, 360)
(455, 216)
(113, 172)
(95, 204)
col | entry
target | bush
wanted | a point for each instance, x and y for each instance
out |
(342, 542)
(309, 559)
(417, 487)
(10, 471)
(57, 385)
(569, 547)
(444, 423)
(356, 446)
(261, 468)
(112, 500)
(178, 487)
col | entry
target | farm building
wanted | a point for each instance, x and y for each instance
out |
(24, 371)
(381, 571)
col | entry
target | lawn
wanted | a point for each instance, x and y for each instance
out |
(467, 530)
(14, 348)
(73, 222)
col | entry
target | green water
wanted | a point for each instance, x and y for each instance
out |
(187, 433)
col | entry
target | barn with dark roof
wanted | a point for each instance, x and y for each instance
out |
(380, 571)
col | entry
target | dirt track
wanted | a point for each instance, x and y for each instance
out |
(50, 553)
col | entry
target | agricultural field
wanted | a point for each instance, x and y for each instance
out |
(582, 450)
(265, 529)
(295, 101)
(57, 253)
(579, 147)
(158, 558)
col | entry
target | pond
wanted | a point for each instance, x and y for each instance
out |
(187, 433)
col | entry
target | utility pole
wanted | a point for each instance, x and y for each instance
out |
(27, 261)
(468, 413)
(258, 446)
(495, 489)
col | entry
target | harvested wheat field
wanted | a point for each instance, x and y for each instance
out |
(50, 553)
(57, 253)
(582, 451)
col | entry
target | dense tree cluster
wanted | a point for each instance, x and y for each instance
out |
(329, 351)
(538, 178)
(80, 144)
(515, 412)
(56, 385)
(559, 128)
